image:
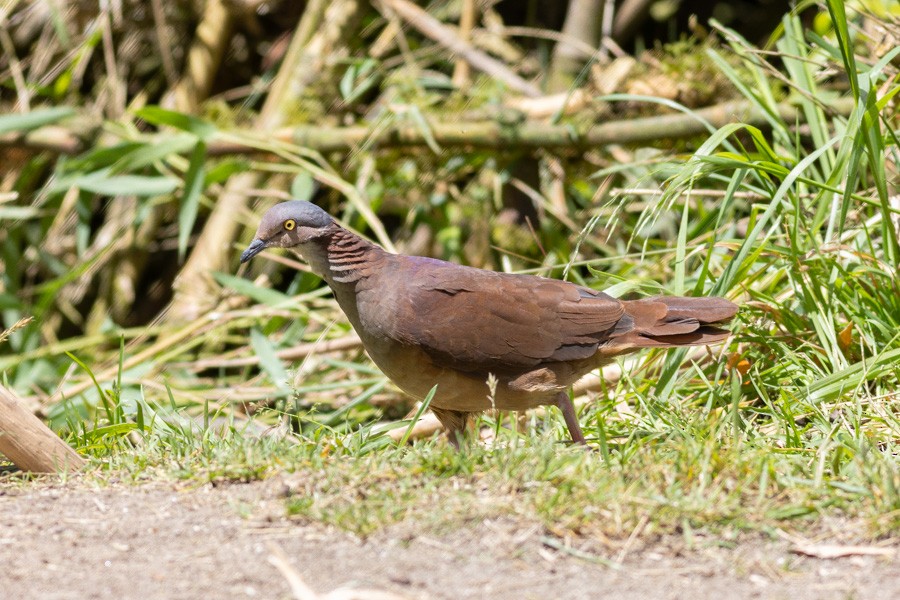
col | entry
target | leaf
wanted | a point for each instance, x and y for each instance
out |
(265, 296)
(357, 80)
(346, 85)
(422, 408)
(224, 170)
(847, 380)
(845, 337)
(303, 187)
(101, 182)
(102, 157)
(147, 154)
(190, 202)
(160, 116)
(424, 128)
(18, 212)
(34, 119)
(268, 359)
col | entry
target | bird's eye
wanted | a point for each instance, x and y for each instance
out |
(290, 224)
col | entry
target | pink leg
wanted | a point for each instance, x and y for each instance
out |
(568, 410)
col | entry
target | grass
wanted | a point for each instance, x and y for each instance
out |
(691, 472)
(793, 420)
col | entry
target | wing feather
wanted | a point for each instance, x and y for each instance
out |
(474, 320)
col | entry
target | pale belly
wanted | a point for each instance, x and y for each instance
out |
(413, 372)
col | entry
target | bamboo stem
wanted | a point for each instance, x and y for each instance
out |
(476, 134)
(466, 22)
(30, 444)
(212, 38)
(529, 134)
(195, 291)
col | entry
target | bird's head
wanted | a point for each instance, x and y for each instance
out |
(288, 224)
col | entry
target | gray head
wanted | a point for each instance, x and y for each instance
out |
(288, 224)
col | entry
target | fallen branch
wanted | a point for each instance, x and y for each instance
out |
(30, 444)
(528, 134)
(495, 135)
(447, 37)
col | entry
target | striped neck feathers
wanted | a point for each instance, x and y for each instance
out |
(350, 258)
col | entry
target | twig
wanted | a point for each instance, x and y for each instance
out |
(15, 68)
(426, 427)
(302, 591)
(349, 342)
(466, 22)
(445, 36)
(630, 16)
(548, 34)
(116, 86)
(280, 561)
(165, 45)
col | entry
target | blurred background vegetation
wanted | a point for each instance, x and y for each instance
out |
(739, 148)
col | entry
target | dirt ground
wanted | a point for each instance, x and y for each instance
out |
(158, 541)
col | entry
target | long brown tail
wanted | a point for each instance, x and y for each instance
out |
(673, 321)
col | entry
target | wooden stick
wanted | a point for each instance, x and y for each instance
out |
(30, 444)
(447, 37)
(349, 342)
(466, 22)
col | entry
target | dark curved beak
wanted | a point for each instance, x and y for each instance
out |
(255, 247)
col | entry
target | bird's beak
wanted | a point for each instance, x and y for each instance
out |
(255, 247)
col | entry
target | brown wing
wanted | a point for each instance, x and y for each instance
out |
(474, 320)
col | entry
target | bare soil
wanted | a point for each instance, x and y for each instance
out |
(74, 540)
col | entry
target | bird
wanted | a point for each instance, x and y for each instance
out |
(485, 339)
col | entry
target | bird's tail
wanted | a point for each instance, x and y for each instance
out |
(668, 321)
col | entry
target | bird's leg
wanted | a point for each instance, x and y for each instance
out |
(454, 421)
(568, 410)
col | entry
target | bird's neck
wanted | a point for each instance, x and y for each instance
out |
(343, 258)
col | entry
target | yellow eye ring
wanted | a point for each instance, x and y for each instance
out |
(290, 224)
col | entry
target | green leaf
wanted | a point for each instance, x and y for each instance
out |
(18, 212)
(101, 182)
(303, 187)
(265, 296)
(160, 116)
(422, 408)
(847, 380)
(842, 31)
(102, 157)
(225, 169)
(190, 202)
(147, 154)
(268, 359)
(34, 119)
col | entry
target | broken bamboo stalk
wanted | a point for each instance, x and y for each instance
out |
(30, 444)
